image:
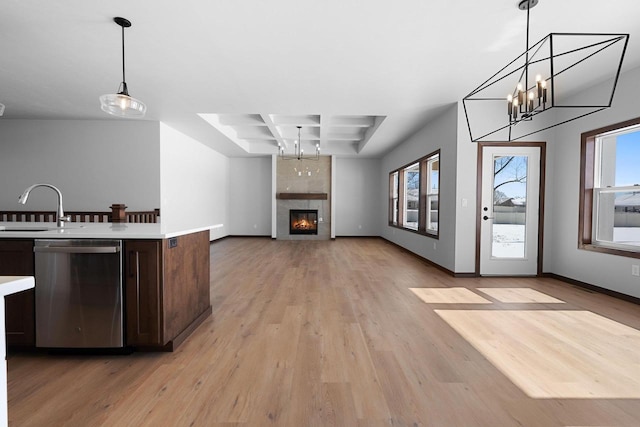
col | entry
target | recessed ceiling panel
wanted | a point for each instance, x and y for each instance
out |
(253, 132)
(296, 120)
(241, 120)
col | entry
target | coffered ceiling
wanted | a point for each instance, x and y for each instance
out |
(239, 76)
(257, 133)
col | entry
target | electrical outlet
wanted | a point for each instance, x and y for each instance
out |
(635, 270)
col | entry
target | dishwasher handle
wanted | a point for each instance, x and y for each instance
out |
(78, 249)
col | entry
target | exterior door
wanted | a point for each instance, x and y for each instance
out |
(509, 209)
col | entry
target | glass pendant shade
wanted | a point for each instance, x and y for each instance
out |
(121, 104)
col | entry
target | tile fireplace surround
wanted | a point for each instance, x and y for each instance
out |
(310, 181)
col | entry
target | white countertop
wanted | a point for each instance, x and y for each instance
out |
(92, 230)
(12, 284)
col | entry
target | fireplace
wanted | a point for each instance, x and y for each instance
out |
(303, 221)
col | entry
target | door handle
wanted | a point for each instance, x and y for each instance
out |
(487, 217)
(78, 249)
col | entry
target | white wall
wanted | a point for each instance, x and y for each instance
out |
(441, 133)
(563, 256)
(250, 196)
(194, 184)
(357, 197)
(94, 163)
(466, 185)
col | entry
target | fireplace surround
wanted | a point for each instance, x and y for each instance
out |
(302, 192)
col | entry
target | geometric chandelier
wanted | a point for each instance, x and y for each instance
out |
(557, 73)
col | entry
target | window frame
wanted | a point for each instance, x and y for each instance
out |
(417, 168)
(394, 197)
(429, 195)
(586, 218)
(423, 198)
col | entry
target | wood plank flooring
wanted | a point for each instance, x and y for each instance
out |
(330, 334)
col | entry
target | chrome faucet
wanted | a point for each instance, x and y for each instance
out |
(61, 218)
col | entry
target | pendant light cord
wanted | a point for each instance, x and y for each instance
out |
(123, 79)
(526, 68)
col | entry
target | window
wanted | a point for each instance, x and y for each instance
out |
(393, 198)
(411, 196)
(433, 185)
(610, 189)
(414, 195)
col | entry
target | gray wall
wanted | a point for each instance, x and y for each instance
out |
(562, 255)
(94, 163)
(359, 210)
(441, 133)
(250, 196)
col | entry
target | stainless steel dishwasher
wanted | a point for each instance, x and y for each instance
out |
(78, 293)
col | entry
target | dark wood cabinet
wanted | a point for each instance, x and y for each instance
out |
(143, 290)
(16, 259)
(167, 289)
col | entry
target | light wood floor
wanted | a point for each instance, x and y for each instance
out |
(330, 334)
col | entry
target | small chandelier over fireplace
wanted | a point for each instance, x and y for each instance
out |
(298, 151)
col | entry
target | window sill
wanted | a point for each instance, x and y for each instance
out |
(412, 230)
(609, 250)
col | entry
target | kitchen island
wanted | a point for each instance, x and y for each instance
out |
(165, 279)
(9, 285)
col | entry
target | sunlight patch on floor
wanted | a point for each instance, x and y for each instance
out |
(519, 295)
(449, 296)
(555, 354)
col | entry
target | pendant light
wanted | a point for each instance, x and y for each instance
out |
(121, 104)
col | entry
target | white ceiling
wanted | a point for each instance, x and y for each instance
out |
(360, 75)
